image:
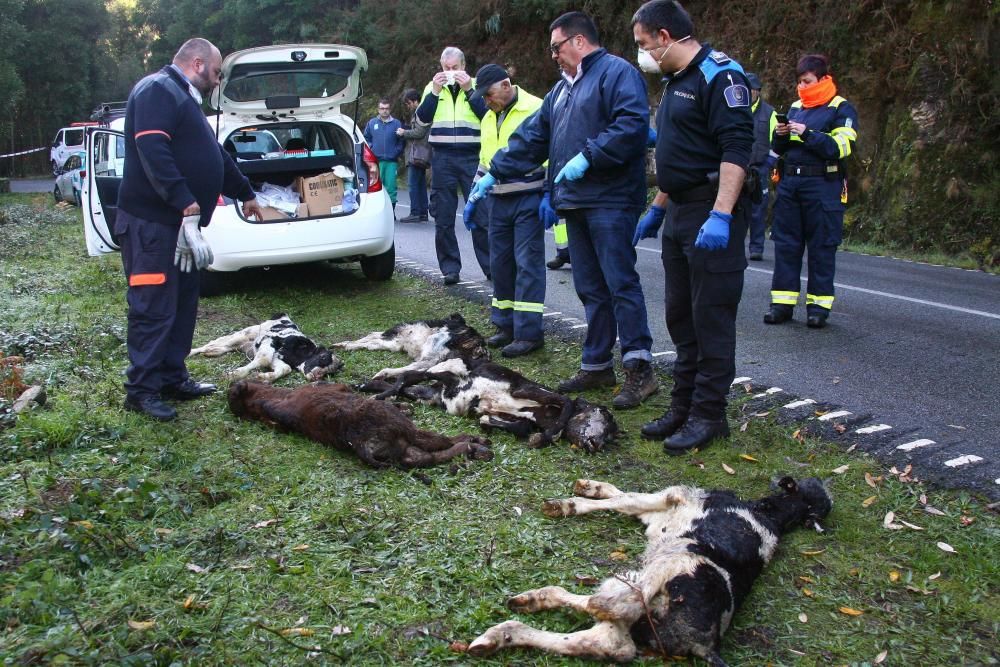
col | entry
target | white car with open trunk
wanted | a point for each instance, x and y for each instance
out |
(288, 98)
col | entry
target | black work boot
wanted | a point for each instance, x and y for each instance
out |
(640, 384)
(665, 426)
(778, 314)
(696, 432)
(561, 258)
(522, 347)
(816, 319)
(151, 406)
(500, 338)
(584, 380)
(188, 390)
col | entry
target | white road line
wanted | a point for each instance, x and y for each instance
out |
(963, 460)
(772, 390)
(997, 480)
(578, 326)
(550, 314)
(660, 354)
(799, 404)
(873, 429)
(833, 415)
(741, 380)
(468, 282)
(923, 442)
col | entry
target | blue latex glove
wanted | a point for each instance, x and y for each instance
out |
(468, 212)
(573, 170)
(649, 224)
(714, 234)
(482, 187)
(546, 213)
(651, 137)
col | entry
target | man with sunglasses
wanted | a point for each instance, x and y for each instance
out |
(592, 127)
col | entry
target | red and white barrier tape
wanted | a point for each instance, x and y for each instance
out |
(32, 150)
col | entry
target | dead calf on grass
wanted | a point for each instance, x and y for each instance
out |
(704, 551)
(376, 431)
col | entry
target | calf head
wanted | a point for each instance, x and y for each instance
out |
(321, 363)
(468, 343)
(591, 428)
(800, 503)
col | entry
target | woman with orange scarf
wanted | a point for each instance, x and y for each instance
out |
(819, 135)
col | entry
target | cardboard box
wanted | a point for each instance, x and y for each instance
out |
(271, 213)
(321, 193)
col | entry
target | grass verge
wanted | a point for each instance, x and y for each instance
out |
(212, 541)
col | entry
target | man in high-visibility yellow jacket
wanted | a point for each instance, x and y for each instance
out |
(454, 119)
(516, 235)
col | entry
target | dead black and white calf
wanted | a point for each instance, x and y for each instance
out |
(704, 550)
(278, 344)
(378, 432)
(506, 400)
(426, 342)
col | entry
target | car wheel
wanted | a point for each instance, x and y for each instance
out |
(56, 194)
(55, 168)
(213, 283)
(380, 267)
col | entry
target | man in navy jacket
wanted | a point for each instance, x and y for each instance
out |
(175, 170)
(592, 127)
(380, 133)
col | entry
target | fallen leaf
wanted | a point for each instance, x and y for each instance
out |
(748, 387)
(803, 618)
(923, 498)
(162, 532)
(893, 470)
(807, 580)
(934, 510)
(867, 502)
(197, 569)
(728, 469)
(189, 601)
(265, 524)
(761, 414)
(851, 448)
(300, 547)
(141, 625)
(919, 590)
(872, 481)
(808, 593)
(944, 546)
(850, 612)
(893, 576)
(812, 553)
(297, 632)
(854, 572)
(964, 520)
(697, 462)
(888, 522)
(618, 556)
(910, 525)
(83, 524)
(586, 580)
(518, 511)
(458, 647)
(820, 413)
(743, 426)
(338, 630)
(934, 576)
(880, 658)
(840, 428)
(747, 457)
(841, 470)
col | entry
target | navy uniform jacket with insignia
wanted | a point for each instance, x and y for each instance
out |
(832, 129)
(707, 105)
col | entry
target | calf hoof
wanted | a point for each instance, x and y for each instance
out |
(558, 508)
(538, 440)
(587, 488)
(493, 639)
(530, 601)
(480, 453)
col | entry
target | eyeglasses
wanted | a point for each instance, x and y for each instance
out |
(555, 48)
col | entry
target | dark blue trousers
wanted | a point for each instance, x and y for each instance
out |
(808, 213)
(162, 306)
(702, 292)
(600, 243)
(416, 181)
(517, 262)
(453, 171)
(758, 218)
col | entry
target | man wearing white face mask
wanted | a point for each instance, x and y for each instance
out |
(704, 139)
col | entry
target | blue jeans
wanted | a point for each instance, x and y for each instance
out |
(600, 243)
(453, 171)
(416, 181)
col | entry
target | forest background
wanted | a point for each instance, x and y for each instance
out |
(922, 74)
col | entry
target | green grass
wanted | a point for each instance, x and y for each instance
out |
(212, 535)
(961, 261)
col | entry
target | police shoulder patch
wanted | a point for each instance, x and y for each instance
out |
(736, 94)
(719, 57)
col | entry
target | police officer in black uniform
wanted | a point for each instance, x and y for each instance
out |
(704, 138)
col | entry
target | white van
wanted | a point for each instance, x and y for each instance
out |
(67, 141)
(290, 95)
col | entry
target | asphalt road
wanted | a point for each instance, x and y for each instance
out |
(911, 352)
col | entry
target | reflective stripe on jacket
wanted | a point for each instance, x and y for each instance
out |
(454, 123)
(494, 138)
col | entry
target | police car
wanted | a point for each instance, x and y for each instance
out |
(293, 96)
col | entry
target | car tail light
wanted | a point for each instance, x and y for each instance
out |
(83, 173)
(221, 201)
(371, 162)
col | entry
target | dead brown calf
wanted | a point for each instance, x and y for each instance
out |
(378, 432)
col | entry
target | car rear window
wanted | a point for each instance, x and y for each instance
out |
(316, 79)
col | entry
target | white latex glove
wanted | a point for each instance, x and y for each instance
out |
(190, 238)
(183, 257)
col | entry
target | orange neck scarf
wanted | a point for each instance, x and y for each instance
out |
(818, 93)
